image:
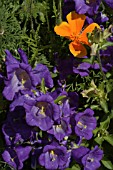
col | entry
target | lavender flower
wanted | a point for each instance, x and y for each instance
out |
(16, 156)
(43, 113)
(85, 123)
(19, 75)
(78, 153)
(61, 130)
(55, 157)
(41, 71)
(81, 6)
(92, 159)
(109, 3)
(15, 128)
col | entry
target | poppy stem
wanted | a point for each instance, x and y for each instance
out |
(100, 64)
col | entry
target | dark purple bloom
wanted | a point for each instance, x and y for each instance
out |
(15, 128)
(34, 157)
(67, 68)
(41, 71)
(81, 68)
(61, 130)
(70, 102)
(92, 159)
(42, 113)
(55, 157)
(72, 65)
(61, 127)
(100, 18)
(109, 3)
(85, 123)
(16, 156)
(81, 7)
(78, 153)
(19, 75)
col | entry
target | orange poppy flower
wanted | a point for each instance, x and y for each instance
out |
(73, 31)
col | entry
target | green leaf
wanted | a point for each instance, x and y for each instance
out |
(99, 140)
(109, 85)
(107, 163)
(75, 167)
(59, 98)
(104, 105)
(43, 86)
(109, 139)
(107, 44)
(105, 123)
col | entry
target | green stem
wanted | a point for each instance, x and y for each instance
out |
(60, 11)
(100, 64)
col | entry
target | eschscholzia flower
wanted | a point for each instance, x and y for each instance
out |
(85, 123)
(92, 159)
(73, 30)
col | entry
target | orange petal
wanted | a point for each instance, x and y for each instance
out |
(77, 49)
(63, 29)
(89, 29)
(76, 22)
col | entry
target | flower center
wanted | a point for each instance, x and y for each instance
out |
(43, 107)
(23, 77)
(52, 155)
(90, 159)
(90, 1)
(81, 125)
(74, 37)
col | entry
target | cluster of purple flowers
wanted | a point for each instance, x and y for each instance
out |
(40, 125)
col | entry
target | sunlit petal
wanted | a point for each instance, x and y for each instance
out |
(83, 37)
(63, 29)
(77, 49)
(76, 22)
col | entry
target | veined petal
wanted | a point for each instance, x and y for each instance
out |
(89, 29)
(76, 22)
(77, 49)
(63, 29)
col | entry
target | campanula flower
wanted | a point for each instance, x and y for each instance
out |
(73, 30)
(78, 153)
(109, 3)
(85, 123)
(92, 159)
(21, 77)
(55, 157)
(89, 8)
(16, 156)
(15, 128)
